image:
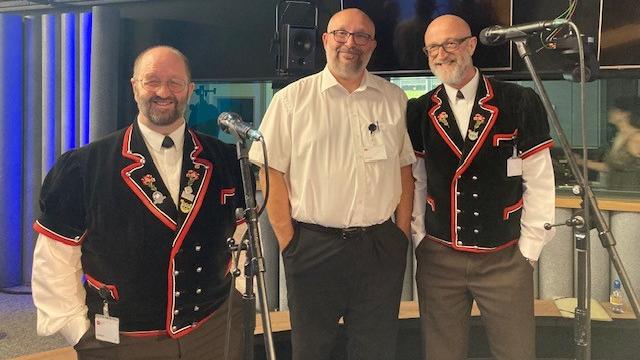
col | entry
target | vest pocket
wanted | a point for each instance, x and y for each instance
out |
(506, 213)
(106, 291)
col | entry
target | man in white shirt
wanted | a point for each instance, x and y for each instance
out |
(143, 215)
(340, 166)
(484, 189)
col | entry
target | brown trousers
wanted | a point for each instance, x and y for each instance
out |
(205, 342)
(500, 282)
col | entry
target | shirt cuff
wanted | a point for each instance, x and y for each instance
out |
(75, 329)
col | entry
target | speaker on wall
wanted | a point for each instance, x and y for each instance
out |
(299, 50)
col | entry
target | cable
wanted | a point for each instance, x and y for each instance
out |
(266, 178)
(548, 41)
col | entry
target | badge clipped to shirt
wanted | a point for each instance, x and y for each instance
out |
(107, 327)
(374, 149)
(514, 164)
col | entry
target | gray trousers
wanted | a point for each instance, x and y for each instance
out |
(205, 342)
(500, 282)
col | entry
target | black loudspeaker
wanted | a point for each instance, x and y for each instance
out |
(568, 46)
(299, 51)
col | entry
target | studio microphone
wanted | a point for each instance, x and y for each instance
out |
(232, 124)
(498, 35)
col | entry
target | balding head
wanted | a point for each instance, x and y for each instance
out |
(160, 50)
(351, 15)
(450, 47)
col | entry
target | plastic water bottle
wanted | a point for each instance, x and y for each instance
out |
(616, 299)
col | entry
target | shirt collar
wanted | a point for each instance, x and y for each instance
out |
(469, 90)
(154, 139)
(329, 81)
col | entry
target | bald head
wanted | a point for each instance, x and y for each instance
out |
(161, 50)
(446, 26)
(351, 15)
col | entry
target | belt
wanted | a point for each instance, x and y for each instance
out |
(344, 232)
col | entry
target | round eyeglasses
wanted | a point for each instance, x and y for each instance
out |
(174, 85)
(449, 46)
(342, 36)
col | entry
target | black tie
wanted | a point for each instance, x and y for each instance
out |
(167, 142)
(459, 95)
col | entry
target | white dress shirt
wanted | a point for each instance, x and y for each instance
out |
(340, 152)
(56, 280)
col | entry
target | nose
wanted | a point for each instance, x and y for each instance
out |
(351, 42)
(163, 90)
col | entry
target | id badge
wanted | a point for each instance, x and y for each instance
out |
(375, 153)
(107, 327)
(514, 167)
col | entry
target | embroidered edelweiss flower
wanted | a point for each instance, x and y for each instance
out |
(193, 175)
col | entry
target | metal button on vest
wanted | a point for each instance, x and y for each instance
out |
(199, 269)
(458, 193)
(458, 211)
(198, 291)
(475, 196)
(458, 228)
(174, 328)
(176, 272)
(198, 247)
(475, 213)
(176, 312)
(177, 293)
(475, 231)
(459, 243)
(474, 177)
(196, 308)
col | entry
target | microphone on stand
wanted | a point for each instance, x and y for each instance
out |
(232, 124)
(498, 35)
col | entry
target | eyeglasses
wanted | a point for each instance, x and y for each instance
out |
(174, 85)
(342, 36)
(450, 45)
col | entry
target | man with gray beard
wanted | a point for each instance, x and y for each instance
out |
(143, 215)
(340, 167)
(484, 189)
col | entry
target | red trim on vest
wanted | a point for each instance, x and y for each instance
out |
(39, 228)
(182, 233)
(472, 249)
(225, 193)
(469, 158)
(113, 290)
(537, 148)
(438, 127)
(504, 137)
(126, 176)
(511, 209)
(431, 203)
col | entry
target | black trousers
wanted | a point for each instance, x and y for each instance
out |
(205, 342)
(354, 274)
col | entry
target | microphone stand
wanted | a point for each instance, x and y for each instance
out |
(582, 326)
(255, 264)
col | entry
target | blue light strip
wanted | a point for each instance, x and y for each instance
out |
(85, 75)
(11, 96)
(68, 82)
(49, 109)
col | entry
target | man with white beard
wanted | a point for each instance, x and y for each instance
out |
(483, 148)
(340, 167)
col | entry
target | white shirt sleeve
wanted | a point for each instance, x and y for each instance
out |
(58, 294)
(538, 204)
(418, 226)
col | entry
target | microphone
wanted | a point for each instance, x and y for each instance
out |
(232, 124)
(498, 35)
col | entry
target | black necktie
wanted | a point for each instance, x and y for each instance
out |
(459, 95)
(167, 142)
